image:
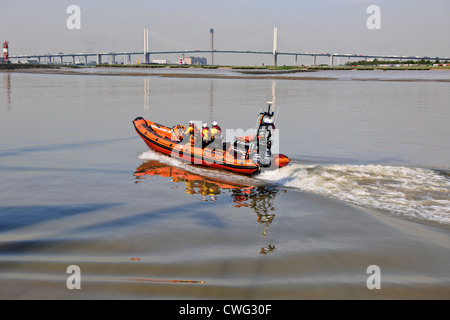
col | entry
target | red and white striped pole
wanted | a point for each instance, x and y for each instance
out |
(5, 51)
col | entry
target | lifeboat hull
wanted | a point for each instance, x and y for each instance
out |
(166, 140)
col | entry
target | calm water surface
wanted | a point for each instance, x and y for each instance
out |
(369, 184)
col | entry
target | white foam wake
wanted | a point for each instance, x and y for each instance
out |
(153, 155)
(414, 192)
(221, 175)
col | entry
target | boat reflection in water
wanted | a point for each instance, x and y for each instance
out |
(259, 198)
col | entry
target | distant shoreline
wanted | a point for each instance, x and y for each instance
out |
(244, 69)
(254, 73)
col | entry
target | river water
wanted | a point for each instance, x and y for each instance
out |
(369, 184)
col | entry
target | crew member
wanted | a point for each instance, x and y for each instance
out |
(206, 135)
(191, 131)
(216, 131)
(216, 135)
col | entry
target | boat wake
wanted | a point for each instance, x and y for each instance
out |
(417, 193)
(215, 174)
(413, 192)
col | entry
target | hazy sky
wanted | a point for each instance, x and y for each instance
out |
(408, 27)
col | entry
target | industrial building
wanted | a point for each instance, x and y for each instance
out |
(194, 61)
(161, 61)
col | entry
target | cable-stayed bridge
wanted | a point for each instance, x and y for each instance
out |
(146, 53)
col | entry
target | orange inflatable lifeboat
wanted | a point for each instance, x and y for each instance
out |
(247, 155)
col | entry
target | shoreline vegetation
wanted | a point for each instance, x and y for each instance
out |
(249, 72)
(361, 65)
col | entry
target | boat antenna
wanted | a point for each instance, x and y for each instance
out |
(257, 120)
(269, 105)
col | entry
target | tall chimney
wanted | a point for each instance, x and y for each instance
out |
(275, 42)
(145, 44)
(211, 32)
(146, 53)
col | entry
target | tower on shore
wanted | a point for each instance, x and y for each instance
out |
(211, 33)
(275, 44)
(5, 51)
(146, 53)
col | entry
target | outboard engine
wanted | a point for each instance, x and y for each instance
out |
(263, 154)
